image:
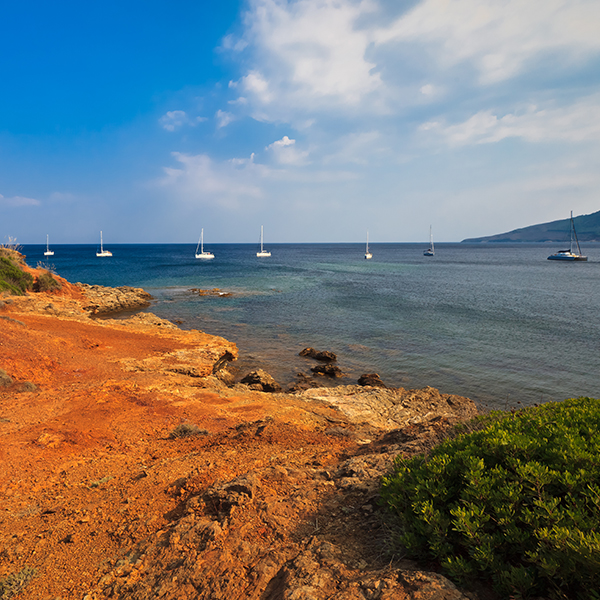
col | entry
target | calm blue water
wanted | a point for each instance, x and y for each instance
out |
(497, 323)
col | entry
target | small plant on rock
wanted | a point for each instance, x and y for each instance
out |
(46, 283)
(185, 430)
(11, 585)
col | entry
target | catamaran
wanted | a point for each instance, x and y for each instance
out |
(103, 252)
(48, 251)
(262, 252)
(202, 253)
(431, 250)
(569, 254)
(368, 255)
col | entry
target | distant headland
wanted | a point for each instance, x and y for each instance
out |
(587, 227)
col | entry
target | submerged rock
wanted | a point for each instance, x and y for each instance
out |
(327, 370)
(322, 355)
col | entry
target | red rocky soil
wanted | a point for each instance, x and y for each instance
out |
(275, 497)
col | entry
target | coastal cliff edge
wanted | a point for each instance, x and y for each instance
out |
(129, 469)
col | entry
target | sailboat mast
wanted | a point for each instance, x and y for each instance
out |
(261, 238)
(574, 233)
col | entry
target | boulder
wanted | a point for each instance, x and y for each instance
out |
(261, 380)
(322, 355)
(327, 370)
(371, 379)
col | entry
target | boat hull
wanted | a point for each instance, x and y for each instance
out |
(205, 255)
(568, 257)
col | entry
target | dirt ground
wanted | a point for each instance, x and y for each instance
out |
(274, 496)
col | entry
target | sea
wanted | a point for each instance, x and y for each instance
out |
(497, 323)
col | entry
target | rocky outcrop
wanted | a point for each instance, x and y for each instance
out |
(327, 370)
(321, 355)
(371, 379)
(260, 380)
(101, 300)
(392, 408)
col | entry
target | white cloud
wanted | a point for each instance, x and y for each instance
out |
(499, 38)
(255, 84)
(200, 180)
(174, 119)
(305, 56)
(357, 148)
(223, 118)
(284, 141)
(286, 154)
(17, 201)
(309, 51)
(578, 122)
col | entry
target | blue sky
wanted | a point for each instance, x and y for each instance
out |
(318, 118)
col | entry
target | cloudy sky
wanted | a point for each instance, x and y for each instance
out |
(318, 118)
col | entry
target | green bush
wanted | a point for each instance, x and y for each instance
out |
(516, 503)
(46, 283)
(12, 278)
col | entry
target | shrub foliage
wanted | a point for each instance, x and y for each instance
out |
(12, 278)
(516, 503)
(46, 283)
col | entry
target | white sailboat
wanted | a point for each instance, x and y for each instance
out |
(48, 251)
(569, 254)
(262, 252)
(103, 252)
(202, 253)
(431, 250)
(368, 255)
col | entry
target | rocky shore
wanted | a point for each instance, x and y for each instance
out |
(266, 495)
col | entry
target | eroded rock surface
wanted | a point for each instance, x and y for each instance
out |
(102, 300)
(394, 407)
(299, 531)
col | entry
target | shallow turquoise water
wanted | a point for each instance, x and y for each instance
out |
(498, 323)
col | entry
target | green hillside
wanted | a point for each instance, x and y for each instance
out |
(586, 226)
